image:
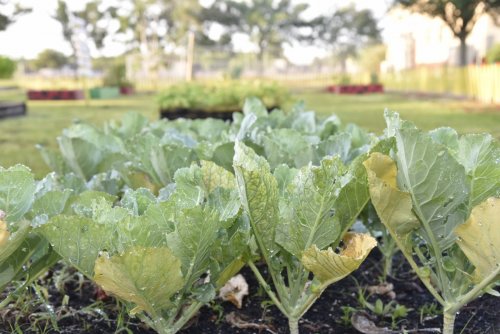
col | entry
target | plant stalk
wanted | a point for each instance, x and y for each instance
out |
(387, 266)
(266, 287)
(186, 316)
(448, 322)
(293, 324)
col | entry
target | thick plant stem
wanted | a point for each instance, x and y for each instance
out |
(448, 322)
(387, 266)
(293, 324)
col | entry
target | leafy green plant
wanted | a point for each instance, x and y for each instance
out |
(25, 203)
(165, 259)
(438, 195)
(386, 244)
(298, 219)
(223, 96)
(7, 67)
(391, 309)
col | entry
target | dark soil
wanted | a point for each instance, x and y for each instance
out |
(85, 313)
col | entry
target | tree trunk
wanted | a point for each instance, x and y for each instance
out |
(261, 63)
(190, 56)
(463, 51)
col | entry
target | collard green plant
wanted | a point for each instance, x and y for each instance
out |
(24, 202)
(386, 244)
(299, 218)
(165, 259)
(438, 195)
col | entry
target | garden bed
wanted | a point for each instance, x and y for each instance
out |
(12, 109)
(127, 90)
(356, 89)
(87, 312)
(64, 94)
(192, 113)
(104, 93)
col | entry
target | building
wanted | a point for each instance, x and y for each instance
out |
(419, 40)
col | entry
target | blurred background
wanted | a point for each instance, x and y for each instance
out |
(435, 61)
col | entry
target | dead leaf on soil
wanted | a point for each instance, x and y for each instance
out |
(235, 290)
(236, 321)
(382, 289)
(363, 324)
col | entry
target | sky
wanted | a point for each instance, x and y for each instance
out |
(37, 31)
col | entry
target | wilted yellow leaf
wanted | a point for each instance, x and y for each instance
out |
(4, 232)
(147, 277)
(330, 267)
(479, 238)
(394, 207)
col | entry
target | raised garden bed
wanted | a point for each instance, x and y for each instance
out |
(356, 89)
(64, 94)
(192, 113)
(12, 109)
(127, 90)
(195, 100)
(104, 93)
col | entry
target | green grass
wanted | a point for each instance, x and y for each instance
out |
(46, 119)
(367, 111)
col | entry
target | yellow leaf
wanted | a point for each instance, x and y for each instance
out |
(479, 238)
(393, 206)
(147, 277)
(330, 267)
(4, 232)
(216, 176)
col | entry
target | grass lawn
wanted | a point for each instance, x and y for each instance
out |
(46, 119)
(368, 111)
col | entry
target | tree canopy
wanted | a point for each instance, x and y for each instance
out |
(9, 15)
(269, 24)
(349, 30)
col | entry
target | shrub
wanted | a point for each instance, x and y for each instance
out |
(7, 67)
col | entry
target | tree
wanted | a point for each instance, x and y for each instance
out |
(347, 31)
(94, 18)
(151, 25)
(7, 67)
(9, 15)
(459, 15)
(372, 56)
(493, 54)
(50, 59)
(268, 23)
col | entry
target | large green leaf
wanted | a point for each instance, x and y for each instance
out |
(191, 242)
(307, 211)
(78, 240)
(147, 277)
(288, 146)
(435, 181)
(17, 188)
(259, 195)
(480, 155)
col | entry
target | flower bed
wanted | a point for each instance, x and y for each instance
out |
(127, 90)
(63, 94)
(356, 89)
